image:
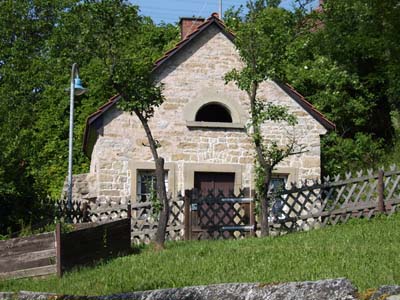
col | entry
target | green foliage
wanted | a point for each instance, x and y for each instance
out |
(24, 27)
(360, 152)
(22, 216)
(348, 67)
(127, 55)
(127, 46)
(345, 63)
(29, 229)
(259, 187)
(155, 201)
(274, 113)
(262, 39)
(366, 252)
(335, 91)
(40, 40)
(391, 156)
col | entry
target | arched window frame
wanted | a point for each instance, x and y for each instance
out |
(237, 114)
(227, 111)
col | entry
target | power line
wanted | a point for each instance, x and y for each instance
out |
(162, 9)
(201, 10)
(166, 15)
(170, 14)
(153, 9)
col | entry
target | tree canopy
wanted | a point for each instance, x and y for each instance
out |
(346, 64)
(263, 36)
(40, 40)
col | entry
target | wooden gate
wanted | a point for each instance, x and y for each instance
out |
(215, 216)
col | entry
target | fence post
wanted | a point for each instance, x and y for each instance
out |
(187, 215)
(58, 250)
(381, 196)
(129, 217)
(252, 218)
(85, 212)
(129, 210)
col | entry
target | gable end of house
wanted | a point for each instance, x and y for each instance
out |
(94, 121)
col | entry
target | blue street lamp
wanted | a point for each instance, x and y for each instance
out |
(76, 89)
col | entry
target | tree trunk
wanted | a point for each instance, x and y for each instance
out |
(257, 139)
(159, 238)
(265, 203)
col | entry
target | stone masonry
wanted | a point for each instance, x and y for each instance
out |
(328, 289)
(195, 77)
(83, 187)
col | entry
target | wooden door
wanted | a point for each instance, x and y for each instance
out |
(215, 181)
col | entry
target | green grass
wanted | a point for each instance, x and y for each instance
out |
(366, 252)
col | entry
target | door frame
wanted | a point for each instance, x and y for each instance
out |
(190, 168)
(220, 181)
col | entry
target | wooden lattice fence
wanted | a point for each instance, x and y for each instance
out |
(215, 215)
(143, 218)
(100, 212)
(311, 204)
(316, 204)
(144, 221)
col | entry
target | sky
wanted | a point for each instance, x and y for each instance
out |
(170, 11)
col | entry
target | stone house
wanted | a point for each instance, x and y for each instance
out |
(201, 126)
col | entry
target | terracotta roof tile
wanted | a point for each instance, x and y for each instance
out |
(299, 98)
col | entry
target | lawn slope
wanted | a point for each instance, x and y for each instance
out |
(366, 252)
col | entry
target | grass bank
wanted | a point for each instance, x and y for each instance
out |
(366, 252)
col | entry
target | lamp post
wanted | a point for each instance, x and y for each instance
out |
(75, 89)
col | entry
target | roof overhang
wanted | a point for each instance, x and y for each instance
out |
(307, 106)
(93, 123)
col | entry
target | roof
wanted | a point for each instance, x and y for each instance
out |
(307, 106)
(90, 131)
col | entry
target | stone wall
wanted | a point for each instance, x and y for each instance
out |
(195, 76)
(83, 187)
(328, 289)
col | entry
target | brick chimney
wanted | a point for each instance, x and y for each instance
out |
(188, 25)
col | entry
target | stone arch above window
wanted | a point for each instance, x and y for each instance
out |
(219, 113)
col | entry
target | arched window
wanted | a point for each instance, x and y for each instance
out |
(213, 113)
(221, 113)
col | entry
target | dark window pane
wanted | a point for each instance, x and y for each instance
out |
(213, 113)
(146, 183)
(278, 182)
